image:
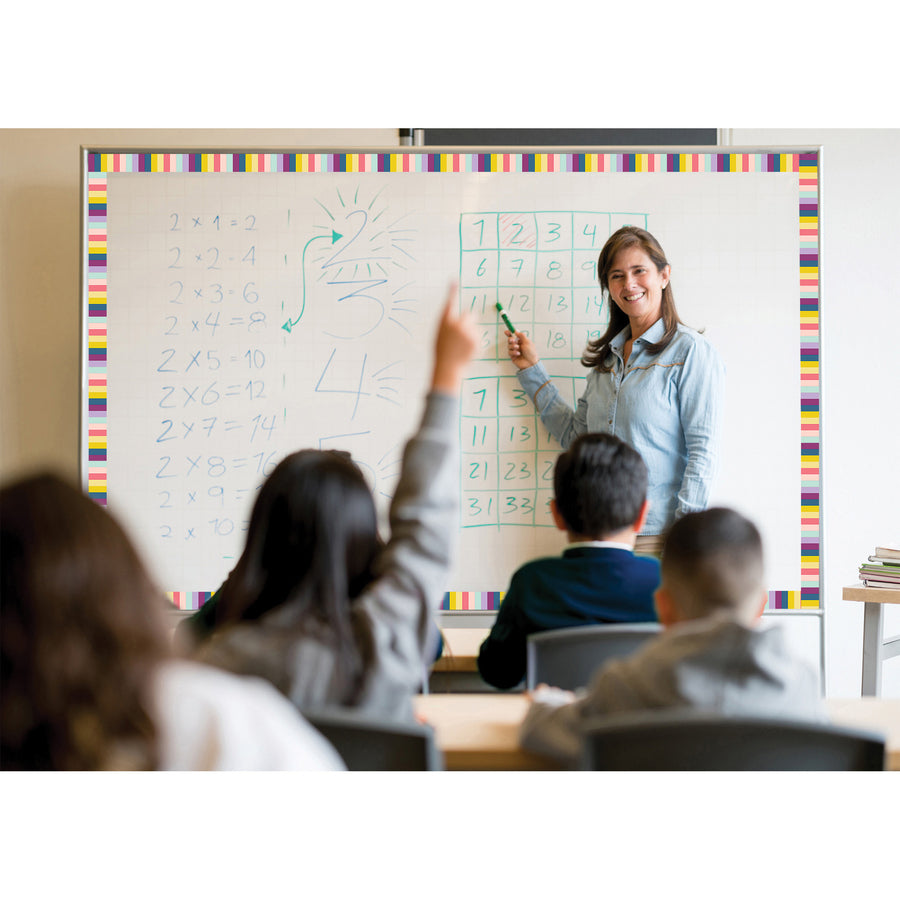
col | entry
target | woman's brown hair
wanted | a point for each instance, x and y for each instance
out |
(596, 351)
(82, 633)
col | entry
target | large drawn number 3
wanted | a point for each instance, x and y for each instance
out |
(339, 258)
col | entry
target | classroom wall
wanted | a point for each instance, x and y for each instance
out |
(40, 304)
(860, 369)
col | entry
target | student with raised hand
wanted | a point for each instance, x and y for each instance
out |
(88, 679)
(652, 381)
(711, 655)
(317, 603)
(600, 487)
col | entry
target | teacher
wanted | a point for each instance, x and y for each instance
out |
(653, 382)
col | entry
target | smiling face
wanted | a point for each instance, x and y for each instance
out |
(636, 286)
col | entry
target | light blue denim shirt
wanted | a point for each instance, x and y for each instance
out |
(667, 406)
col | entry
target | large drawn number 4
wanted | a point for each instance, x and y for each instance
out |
(358, 392)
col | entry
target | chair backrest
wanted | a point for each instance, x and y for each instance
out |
(568, 657)
(686, 740)
(370, 744)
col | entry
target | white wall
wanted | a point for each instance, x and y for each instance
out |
(860, 373)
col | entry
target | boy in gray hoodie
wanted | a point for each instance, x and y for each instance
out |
(711, 654)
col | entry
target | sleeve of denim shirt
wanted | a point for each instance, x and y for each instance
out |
(564, 423)
(700, 398)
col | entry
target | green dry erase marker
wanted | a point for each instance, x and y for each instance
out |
(505, 317)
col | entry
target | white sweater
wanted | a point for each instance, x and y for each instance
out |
(209, 719)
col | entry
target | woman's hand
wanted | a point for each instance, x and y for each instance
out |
(454, 345)
(521, 349)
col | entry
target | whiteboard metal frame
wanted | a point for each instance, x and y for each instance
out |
(722, 147)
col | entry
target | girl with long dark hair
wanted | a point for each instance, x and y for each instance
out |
(317, 604)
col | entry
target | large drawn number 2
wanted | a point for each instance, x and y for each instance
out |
(334, 260)
(339, 258)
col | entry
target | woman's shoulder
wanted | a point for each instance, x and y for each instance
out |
(690, 340)
(689, 334)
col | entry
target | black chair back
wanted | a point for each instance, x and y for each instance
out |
(568, 657)
(370, 744)
(688, 740)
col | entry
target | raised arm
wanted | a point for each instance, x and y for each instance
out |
(564, 423)
(411, 571)
(453, 347)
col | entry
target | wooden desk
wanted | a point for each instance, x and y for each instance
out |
(456, 671)
(481, 731)
(871, 714)
(460, 649)
(876, 648)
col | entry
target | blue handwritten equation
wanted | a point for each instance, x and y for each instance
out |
(228, 405)
(218, 416)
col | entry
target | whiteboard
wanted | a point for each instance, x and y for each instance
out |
(239, 306)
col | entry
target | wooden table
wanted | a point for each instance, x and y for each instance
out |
(871, 714)
(876, 648)
(457, 670)
(461, 647)
(481, 731)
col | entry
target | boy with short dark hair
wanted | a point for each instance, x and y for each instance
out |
(600, 486)
(710, 656)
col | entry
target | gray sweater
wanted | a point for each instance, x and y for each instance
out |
(716, 665)
(395, 610)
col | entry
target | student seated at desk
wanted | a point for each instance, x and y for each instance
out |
(88, 679)
(710, 655)
(600, 484)
(317, 604)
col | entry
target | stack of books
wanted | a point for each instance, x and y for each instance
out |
(883, 569)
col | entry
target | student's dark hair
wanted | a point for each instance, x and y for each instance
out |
(600, 484)
(713, 561)
(311, 543)
(596, 351)
(83, 630)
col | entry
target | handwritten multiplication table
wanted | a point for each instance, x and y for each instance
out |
(541, 267)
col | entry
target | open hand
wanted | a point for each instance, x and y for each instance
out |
(454, 345)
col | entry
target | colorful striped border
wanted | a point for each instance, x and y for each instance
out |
(458, 601)
(95, 352)
(806, 164)
(810, 394)
(104, 163)
(189, 599)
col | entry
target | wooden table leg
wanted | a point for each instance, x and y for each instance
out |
(872, 650)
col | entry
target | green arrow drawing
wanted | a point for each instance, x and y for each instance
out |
(335, 237)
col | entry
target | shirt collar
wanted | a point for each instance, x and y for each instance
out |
(653, 334)
(615, 544)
